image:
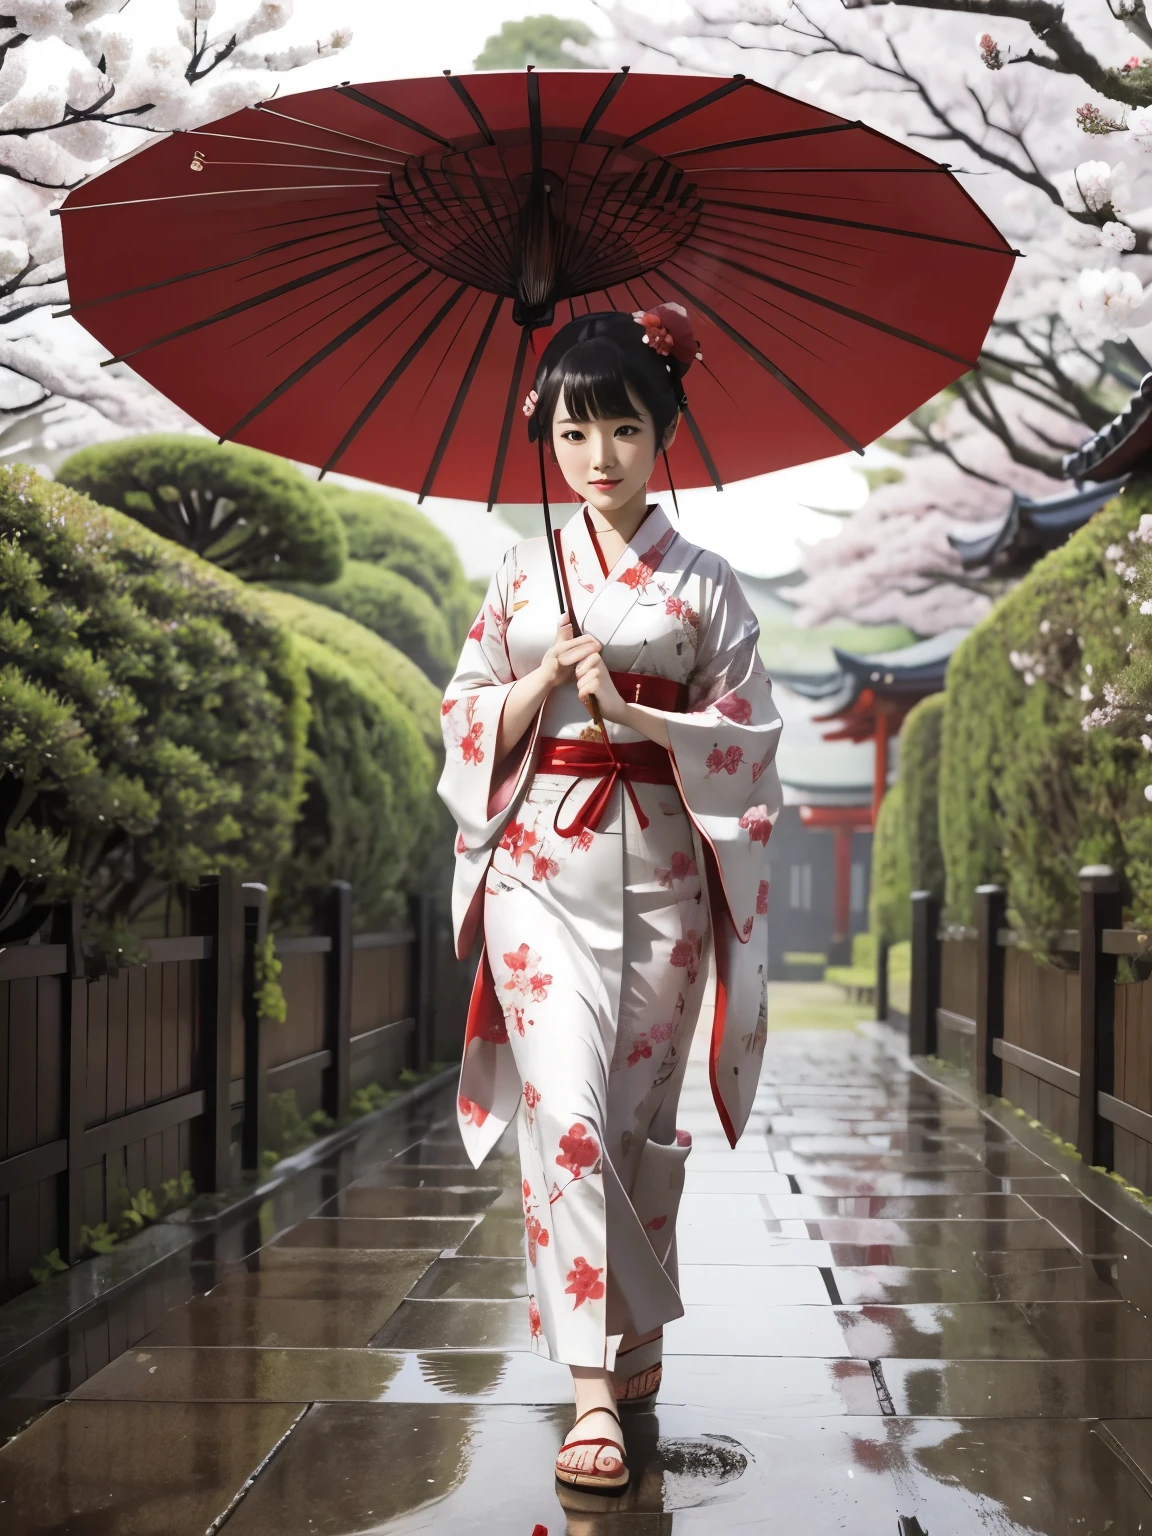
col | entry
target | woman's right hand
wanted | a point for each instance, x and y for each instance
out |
(560, 660)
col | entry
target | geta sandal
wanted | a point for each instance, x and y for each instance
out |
(594, 1481)
(638, 1373)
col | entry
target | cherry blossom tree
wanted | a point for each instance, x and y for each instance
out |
(82, 82)
(1046, 113)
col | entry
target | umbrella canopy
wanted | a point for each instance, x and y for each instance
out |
(362, 277)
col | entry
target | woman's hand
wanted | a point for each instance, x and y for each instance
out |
(564, 655)
(593, 677)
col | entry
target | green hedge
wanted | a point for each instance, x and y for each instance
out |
(366, 651)
(392, 607)
(889, 915)
(1027, 796)
(369, 798)
(920, 777)
(250, 512)
(386, 531)
(152, 715)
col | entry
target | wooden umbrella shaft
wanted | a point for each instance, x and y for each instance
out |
(563, 596)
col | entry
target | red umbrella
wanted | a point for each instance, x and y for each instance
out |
(360, 277)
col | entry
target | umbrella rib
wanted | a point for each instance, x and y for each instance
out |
(304, 165)
(364, 100)
(325, 351)
(607, 96)
(319, 149)
(238, 309)
(768, 138)
(178, 197)
(735, 239)
(373, 280)
(468, 264)
(825, 170)
(784, 335)
(373, 404)
(458, 403)
(535, 132)
(483, 231)
(487, 201)
(879, 229)
(702, 447)
(221, 266)
(706, 239)
(842, 309)
(754, 352)
(509, 410)
(473, 110)
(735, 84)
(337, 133)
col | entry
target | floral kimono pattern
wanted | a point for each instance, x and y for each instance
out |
(600, 946)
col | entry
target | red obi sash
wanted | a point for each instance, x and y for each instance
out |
(625, 762)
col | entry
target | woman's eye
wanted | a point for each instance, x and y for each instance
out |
(627, 431)
(572, 436)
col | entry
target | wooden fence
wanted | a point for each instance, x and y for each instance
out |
(121, 1083)
(1070, 1043)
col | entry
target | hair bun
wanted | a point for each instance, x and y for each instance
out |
(668, 331)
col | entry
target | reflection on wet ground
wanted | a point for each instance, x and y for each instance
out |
(897, 1319)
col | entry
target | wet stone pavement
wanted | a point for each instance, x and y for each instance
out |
(899, 1322)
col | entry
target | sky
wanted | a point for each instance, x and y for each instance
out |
(758, 525)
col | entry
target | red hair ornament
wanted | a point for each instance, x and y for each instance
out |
(668, 331)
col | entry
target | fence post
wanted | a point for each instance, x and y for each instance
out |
(882, 978)
(1101, 907)
(991, 903)
(253, 1134)
(74, 1077)
(423, 979)
(338, 1002)
(925, 999)
(217, 912)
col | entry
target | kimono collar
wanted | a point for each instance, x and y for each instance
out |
(632, 578)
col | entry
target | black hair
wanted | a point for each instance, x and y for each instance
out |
(594, 361)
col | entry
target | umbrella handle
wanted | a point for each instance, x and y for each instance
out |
(560, 576)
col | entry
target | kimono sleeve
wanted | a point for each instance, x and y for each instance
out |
(470, 715)
(724, 749)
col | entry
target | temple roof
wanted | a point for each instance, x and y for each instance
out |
(906, 675)
(1031, 528)
(1123, 445)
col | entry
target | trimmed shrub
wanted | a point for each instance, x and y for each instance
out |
(152, 715)
(920, 776)
(1027, 795)
(252, 513)
(386, 531)
(392, 607)
(368, 803)
(889, 916)
(367, 652)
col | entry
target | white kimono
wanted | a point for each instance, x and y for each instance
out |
(597, 944)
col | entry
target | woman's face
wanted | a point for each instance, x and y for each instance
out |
(607, 463)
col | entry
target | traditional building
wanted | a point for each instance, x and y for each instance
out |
(1029, 529)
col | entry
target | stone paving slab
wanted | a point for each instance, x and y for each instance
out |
(893, 1312)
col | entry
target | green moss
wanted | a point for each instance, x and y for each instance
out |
(1027, 796)
(392, 607)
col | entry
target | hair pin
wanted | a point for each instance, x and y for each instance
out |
(529, 406)
(668, 331)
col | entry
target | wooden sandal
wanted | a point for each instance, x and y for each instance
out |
(645, 1371)
(594, 1481)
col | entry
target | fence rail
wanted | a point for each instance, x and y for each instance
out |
(1069, 1043)
(121, 1083)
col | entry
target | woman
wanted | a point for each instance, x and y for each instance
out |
(611, 873)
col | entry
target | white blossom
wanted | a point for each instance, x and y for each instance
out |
(1085, 693)
(1101, 303)
(1140, 128)
(1114, 236)
(1148, 791)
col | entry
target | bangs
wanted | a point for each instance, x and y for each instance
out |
(594, 383)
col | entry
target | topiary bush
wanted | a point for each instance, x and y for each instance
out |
(368, 803)
(152, 715)
(390, 668)
(920, 778)
(889, 906)
(392, 607)
(252, 513)
(383, 530)
(1027, 794)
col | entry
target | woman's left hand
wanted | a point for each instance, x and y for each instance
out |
(592, 677)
